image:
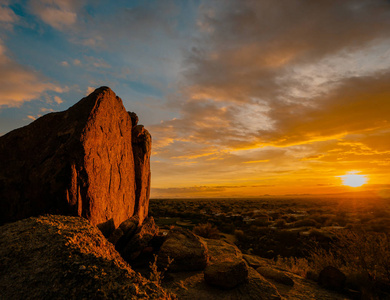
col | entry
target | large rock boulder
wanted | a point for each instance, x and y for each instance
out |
(76, 162)
(227, 268)
(62, 257)
(188, 251)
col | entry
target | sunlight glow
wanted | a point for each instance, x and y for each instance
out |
(353, 180)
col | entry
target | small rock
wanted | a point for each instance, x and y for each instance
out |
(226, 275)
(123, 234)
(140, 240)
(115, 236)
(107, 228)
(332, 278)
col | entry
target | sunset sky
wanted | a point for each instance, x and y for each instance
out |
(242, 98)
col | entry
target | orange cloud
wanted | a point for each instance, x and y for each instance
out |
(19, 84)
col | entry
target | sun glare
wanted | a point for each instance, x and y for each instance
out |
(353, 180)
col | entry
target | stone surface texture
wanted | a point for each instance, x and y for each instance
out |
(134, 245)
(142, 147)
(188, 251)
(276, 275)
(227, 268)
(77, 162)
(63, 257)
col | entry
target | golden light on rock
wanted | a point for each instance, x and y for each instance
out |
(353, 180)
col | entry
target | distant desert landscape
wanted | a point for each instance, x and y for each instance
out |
(195, 149)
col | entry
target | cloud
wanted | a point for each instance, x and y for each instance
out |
(89, 90)
(7, 15)
(19, 83)
(293, 91)
(58, 100)
(59, 14)
(267, 74)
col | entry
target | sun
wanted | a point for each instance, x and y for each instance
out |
(353, 180)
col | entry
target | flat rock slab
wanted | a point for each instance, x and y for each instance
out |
(276, 275)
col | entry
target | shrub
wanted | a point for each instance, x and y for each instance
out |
(240, 235)
(305, 223)
(156, 275)
(280, 223)
(363, 257)
(299, 266)
(207, 230)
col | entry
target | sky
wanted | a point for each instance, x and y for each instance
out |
(242, 98)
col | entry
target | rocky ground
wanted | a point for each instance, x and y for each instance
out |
(58, 257)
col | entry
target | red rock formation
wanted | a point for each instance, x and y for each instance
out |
(142, 146)
(77, 162)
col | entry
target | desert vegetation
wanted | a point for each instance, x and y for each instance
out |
(301, 235)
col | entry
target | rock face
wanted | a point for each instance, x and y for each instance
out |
(142, 146)
(62, 257)
(76, 162)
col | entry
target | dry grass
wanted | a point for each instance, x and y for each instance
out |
(364, 257)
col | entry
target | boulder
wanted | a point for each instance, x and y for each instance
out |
(124, 232)
(63, 257)
(220, 251)
(192, 285)
(227, 274)
(227, 269)
(77, 162)
(332, 278)
(275, 275)
(188, 251)
(258, 287)
(139, 241)
(142, 146)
